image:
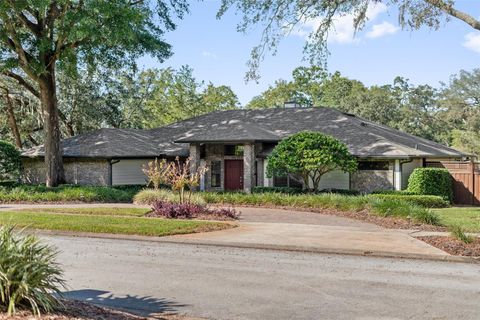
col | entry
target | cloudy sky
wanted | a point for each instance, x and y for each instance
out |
(382, 51)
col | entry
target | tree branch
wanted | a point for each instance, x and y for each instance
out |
(22, 82)
(449, 9)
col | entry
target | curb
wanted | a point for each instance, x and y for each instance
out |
(261, 246)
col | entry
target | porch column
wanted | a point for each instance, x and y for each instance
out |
(194, 158)
(248, 167)
(397, 175)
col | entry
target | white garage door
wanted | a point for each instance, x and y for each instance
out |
(129, 172)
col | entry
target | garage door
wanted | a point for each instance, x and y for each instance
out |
(127, 172)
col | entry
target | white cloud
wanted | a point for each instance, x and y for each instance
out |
(343, 30)
(382, 29)
(209, 54)
(472, 41)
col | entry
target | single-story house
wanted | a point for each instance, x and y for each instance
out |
(235, 144)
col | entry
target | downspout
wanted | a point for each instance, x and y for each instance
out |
(110, 171)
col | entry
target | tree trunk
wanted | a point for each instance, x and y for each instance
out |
(12, 121)
(53, 148)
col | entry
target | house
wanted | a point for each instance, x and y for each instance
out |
(235, 144)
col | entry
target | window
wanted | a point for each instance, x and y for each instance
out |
(373, 165)
(215, 174)
(233, 150)
(287, 181)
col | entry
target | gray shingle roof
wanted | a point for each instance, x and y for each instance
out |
(363, 138)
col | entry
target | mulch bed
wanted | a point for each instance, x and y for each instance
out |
(364, 215)
(454, 246)
(77, 310)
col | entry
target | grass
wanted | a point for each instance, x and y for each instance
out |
(458, 233)
(107, 211)
(384, 207)
(89, 221)
(467, 217)
(66, 193)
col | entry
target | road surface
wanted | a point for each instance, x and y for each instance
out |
(231, 283)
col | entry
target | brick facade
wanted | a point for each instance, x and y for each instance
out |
(77, 171)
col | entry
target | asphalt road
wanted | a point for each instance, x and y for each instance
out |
(231, 283)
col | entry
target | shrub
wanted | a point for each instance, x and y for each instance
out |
(420, 200)
(10, 161)
(458, 233)
(171, 210)
(341, 191)
(402, 209)
(396, 192)
(287, 190)
(29, 274)
(149, 196)
(310, 155)
(431, 181)
(66, 193)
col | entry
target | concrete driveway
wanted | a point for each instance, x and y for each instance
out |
(297, 230)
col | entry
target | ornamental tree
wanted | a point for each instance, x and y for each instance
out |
(10, 161)
(310, 155)
(37, 36)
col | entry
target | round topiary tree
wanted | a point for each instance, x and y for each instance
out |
(10, 162)
(310, 155)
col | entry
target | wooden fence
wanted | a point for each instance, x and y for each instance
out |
(466, 178)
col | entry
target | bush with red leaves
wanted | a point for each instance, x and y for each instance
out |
(170, 210)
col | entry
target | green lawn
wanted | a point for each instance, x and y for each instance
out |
(466, 217)
(102, 223)
(99, 211)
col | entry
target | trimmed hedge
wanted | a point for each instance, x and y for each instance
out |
(425, 201)
(431, 181)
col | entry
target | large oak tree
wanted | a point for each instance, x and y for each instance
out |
(37, 36)
(279, 17)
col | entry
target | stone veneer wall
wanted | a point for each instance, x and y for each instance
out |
(77, 171)
(367, 181)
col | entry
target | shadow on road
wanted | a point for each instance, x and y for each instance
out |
(142, 306)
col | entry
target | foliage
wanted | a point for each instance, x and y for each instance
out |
(280, 18)
(157, 172)
(287, 190)
(458, 233)
(425, 201)
(66, 193)
(149, 196)
(177, 175)
(10, 161)
(176, 95)
(431, 181)
(171, 210)
(310, 155)
(40, 36)
(29, 275)
(382, 207)
(106, 223)
(290, 190)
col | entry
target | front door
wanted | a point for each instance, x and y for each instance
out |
(233, 175)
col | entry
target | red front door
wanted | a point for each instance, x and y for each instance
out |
(233, 175)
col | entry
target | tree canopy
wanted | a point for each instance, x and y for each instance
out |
(36, 37)
(310, 155)
(280, 17)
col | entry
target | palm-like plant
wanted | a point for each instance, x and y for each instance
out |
(29, 275)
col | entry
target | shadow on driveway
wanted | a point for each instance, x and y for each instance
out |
(143, 306)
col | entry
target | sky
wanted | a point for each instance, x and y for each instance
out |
(375, 56)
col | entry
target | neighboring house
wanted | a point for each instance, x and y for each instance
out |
(234, 144)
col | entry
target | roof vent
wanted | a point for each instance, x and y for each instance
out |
(363, 124)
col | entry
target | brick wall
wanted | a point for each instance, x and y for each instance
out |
(77, 171)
